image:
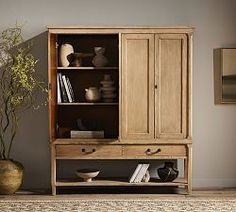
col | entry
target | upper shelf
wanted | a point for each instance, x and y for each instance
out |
(87, 103)
(87, 68)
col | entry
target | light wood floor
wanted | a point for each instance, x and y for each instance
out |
(197, 194)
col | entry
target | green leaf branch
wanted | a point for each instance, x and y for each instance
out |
(19, 85)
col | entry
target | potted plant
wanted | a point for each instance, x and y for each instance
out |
(18, 85)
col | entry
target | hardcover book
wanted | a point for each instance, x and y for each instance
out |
(133, 176)
(63, 90)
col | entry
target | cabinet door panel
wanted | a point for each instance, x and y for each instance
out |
(171, 79)
(137, 86)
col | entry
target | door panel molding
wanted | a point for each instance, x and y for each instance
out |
(137, 78)
(171, 79)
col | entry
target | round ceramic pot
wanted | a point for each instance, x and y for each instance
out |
(168, 173)
(92, 94)
(99, 60)
(11, 176)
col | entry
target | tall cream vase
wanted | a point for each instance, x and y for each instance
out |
(65, 50)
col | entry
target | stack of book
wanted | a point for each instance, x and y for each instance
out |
(65, 92)
(86, 134)
(139, 173)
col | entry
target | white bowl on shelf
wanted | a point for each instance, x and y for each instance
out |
(87, 174)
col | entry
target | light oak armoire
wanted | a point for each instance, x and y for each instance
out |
(150, 118)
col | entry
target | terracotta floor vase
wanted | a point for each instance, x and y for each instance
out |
(11, 176)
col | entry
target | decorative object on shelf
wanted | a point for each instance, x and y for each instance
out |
(168, 173)
(65, 50)
(92, 94)
(75, 59)
(146, 177)
(87, 174)
(86, 134)
(108, 89)
(80, 125)
(88, 125)
(63, 132)
(19, 88)
(99, 60)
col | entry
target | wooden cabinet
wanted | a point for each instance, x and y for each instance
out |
(150, 117)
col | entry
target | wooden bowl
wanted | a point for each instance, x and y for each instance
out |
(87, 174)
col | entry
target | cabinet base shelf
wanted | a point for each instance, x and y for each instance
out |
(120, 182)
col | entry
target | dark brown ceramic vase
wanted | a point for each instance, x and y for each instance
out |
(168, 173)
(11, 176)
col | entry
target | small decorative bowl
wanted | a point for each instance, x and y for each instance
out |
(87, 174)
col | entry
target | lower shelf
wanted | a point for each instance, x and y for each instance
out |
(120, 182)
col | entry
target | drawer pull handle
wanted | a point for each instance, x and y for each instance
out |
(88, 152)
(149, 151)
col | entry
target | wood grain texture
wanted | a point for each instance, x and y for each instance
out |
(137, 86)
(120, 182)
(118, 29)
(153, 70)
(189, 168)
(171, 79)
(100, 141)
(53, 169)
(151, 151)
(52, 80)
(189, 85)
(88, 151)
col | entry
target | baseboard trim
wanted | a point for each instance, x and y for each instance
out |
(214, 183)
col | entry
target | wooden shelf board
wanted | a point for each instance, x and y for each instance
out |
(120, 182)
(85, 141)
(88, 103)
(121, 158)
(88, 68)
(116, 141)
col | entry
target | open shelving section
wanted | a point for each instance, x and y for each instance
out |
(104, 114)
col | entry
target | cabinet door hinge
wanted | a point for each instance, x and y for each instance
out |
(57, 45)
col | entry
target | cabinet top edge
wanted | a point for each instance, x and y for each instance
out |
(120, 27)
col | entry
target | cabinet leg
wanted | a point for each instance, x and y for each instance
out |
(53, 170)
(189, 169)
(54, 190)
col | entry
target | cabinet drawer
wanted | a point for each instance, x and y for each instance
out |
(88, 151)
(155, 151)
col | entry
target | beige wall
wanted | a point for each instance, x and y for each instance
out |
(214, 127)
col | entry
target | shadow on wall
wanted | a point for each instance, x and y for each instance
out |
(31, 145)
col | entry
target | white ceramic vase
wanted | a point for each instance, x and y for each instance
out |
(92, 94)
(65, 50)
